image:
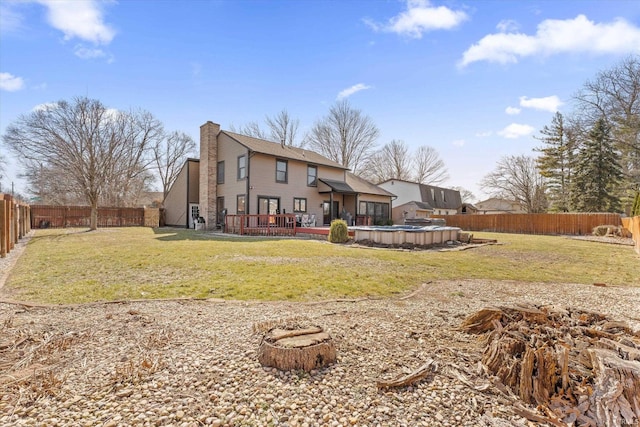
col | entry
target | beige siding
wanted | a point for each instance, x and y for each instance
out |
(374, 198)
(263, 183)
(177, 201)
(194, 177)
(228, 151)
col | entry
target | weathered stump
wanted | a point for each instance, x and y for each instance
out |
(577, 366)
(302, 348)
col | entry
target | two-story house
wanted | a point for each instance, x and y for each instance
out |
(238, 174)
(415, 200)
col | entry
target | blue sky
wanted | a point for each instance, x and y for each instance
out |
(476, 80)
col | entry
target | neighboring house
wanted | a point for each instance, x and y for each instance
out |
(238, 174)
(411, 210)
(496, 205)
(467, 208)
(416, 200)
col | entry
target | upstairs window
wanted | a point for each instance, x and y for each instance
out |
(220, 172)
(242, 167)
(281, 171)
(444, 199)
(312, 176)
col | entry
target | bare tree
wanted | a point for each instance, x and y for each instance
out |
(615, 95)
(429, 167)
(517, 178)
(169, 154)
(51, 186)
(284, 128)
(96, 149)
(3, 164)
(251, 129)
(466, 195)
(345, 136)
(392, 161)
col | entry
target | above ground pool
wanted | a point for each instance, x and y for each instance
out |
(402, 234)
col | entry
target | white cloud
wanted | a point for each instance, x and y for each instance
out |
(88, 53)
(548, 103)
(458, 142)
(84, 52)
(507, 26)
(515, 130)
(353, 89)
(421, 17)
(79, 19)
(45, 106)
(10, 20)
(512, 111)
(553, 36)
(10, 83)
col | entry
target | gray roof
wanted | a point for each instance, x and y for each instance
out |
(338, 186)
(361, 185)
(443, 198)
(284, 151)
(420, 205)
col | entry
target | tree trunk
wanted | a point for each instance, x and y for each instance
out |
(301, 348)
(93, 222)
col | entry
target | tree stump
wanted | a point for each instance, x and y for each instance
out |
(577, 366)
(305, 348)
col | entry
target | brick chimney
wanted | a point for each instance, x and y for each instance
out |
(208, 172)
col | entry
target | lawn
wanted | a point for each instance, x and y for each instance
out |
(74, 265)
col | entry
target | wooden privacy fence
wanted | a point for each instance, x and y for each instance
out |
(547, 223)
(14, 223)
(633, 225)
(47, 216)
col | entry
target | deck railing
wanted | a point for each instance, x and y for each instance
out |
(261, 225)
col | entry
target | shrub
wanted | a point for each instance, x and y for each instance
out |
(338, 231)
(604, 230)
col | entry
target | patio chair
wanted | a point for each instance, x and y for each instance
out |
(304, 221)
(312, 220)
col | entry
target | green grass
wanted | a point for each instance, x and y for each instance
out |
(73, 265)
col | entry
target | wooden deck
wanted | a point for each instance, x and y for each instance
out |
(270, 225)
(261, 225)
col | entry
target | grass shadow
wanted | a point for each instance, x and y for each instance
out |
(172, 234)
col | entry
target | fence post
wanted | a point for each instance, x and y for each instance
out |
(3, 228)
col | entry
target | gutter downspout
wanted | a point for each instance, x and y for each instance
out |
(247, 201)
(189, 213)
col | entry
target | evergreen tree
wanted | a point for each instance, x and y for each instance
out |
(635, 210)
(556, 162)
(597, 173)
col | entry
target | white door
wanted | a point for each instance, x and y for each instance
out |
(194, 213)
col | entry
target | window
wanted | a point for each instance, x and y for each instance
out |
(242, 167)
(220, 177)
(240, 203)
(312, 176)
(433, 194)
(379, 212)
(281, 171)
(444, 199)
(299, 204)
(268, 205)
